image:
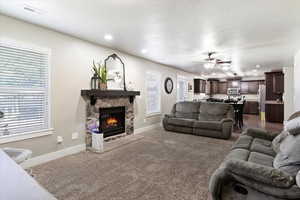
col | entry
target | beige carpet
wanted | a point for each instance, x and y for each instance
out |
(159, 166)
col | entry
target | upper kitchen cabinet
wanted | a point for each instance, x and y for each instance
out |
(212, 86)
(274, 85)
(199, 86)
(223, 87)
(250, 87)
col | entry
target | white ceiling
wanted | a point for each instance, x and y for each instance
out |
(177, 32)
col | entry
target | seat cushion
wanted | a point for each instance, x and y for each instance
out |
(293, 126)
(262, 146)
(213, 111)
(243, 142)
(240, 154)
(261, 159)
(188, 110)
(211, 125)
(288, 159)
(181, 122)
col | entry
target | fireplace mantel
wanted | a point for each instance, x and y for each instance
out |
(98, 94)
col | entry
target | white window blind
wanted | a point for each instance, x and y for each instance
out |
(182, 88)
(153, 84)
(23, 90)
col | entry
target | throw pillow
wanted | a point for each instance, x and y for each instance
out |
(278, 139)
(288, 159)
(293, 126)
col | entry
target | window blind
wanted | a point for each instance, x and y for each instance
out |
(23, 90)
(153, 84)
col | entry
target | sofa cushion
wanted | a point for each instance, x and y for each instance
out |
(211, 125)
(262, 146)
(239, 154)
(293, 126)
(181, 122)
(213, 111)
(288, 159)
(261, 159)
(277, 141)
(189, 110)
(298, 179)
(244, 142)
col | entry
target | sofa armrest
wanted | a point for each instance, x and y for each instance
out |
(227, 120)
(260, 133)
(259, 173)
(169, 115)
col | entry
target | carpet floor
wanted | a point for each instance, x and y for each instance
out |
(158, 166)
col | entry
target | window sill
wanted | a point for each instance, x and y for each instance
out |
(153, 115)
(24, 136)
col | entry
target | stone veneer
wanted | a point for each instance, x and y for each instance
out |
(92, 114)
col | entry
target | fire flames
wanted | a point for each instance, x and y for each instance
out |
(111, 121)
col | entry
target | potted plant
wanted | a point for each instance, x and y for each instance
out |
(100, 70)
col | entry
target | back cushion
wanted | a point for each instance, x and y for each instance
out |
(278, 140)
(288, 158)
(293, 125)
(213, 111)
(187, 110)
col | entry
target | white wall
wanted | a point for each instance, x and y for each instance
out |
(70, 62)
(297, 81)
(288, 96)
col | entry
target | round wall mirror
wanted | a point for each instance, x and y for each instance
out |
(169, 85)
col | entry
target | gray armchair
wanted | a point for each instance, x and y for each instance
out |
(248, 172)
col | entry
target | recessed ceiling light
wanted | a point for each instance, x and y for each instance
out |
(108, 37)
(257, 66)
(144, 51)
(255, 70)
(225, 68)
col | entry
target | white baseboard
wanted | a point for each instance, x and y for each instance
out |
(53, 156)
(147, 128)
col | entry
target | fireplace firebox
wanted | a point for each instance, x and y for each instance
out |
(112, 120)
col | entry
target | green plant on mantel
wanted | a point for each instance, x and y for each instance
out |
(100, 70)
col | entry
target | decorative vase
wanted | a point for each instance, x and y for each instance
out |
(103, 86)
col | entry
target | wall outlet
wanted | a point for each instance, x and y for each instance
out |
(75, 136)
(60, 139)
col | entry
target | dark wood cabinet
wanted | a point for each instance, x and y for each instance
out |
(274, 86)
(274, 112)
(223, 87)
(199, 86)
(278, 83)
(212, 86)
(250, 87)
(251, 107)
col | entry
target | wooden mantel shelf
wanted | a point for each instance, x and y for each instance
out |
(96, 94)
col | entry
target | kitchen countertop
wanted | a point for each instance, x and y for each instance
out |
(274, 102)
(16, 184)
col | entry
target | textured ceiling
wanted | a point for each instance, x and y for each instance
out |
(178, 32)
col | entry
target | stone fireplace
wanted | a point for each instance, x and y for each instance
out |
(112, 110)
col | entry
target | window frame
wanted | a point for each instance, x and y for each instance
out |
(186, 80)
(155, 73)
(35, 133)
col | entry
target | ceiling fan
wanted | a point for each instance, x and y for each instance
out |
(211, 62)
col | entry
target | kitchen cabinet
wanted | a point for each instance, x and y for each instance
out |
(274, 112)
(223, 87)
(278, 83)
(234, 83)
(199, 86)
(274, 85)
(250, 87)
(212, 86)
(251, 107)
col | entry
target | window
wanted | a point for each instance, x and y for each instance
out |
(153, 88)
(182, 88)
(23, 90)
